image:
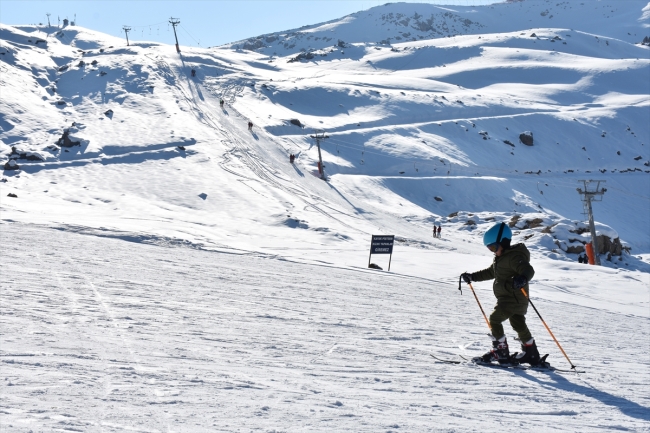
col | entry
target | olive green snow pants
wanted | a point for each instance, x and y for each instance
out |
(502, 313)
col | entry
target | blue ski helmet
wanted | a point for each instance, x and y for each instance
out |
(497, 234)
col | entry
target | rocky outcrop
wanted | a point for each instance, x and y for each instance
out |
(609, 246)
(65, 141)
(29, 156)
(11, 165)
(302, 56)
(526, 137)
(575, 249)
(253, 44)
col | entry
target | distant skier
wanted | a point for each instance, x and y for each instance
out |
(292, 158)
(250, 126)
(580, 258)
(439, 230)
(193, 72)
(434, 230)
(511, 271)
(221, 103)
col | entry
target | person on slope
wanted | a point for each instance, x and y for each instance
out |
(511, 272)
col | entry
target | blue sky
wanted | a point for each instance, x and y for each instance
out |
(204, 23)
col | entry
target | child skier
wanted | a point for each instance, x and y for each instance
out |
(511, 271)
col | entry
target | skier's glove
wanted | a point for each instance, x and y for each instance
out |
(466, 277)
(519, 282)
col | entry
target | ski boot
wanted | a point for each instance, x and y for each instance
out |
(529, 353)
(499, 352)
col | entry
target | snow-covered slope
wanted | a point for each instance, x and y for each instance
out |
(421, 130)
(401, 22)
(407, 123)
(102, 335)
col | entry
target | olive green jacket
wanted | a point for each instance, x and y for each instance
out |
(512, 262)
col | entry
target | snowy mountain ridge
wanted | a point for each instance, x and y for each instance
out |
(403, 22)
(167, 268)
(417, 109)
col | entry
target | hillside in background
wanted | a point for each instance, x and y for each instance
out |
(395, 23)
(166, 268)
(420, 127)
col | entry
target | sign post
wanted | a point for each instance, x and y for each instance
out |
(382, 244)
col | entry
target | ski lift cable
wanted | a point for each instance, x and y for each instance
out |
(629, 193)
(471, 168)
(467, 169)
(350, 145)
(427, 162)
(190, 35)
(572, 185)
(147, 25)
(422, 162)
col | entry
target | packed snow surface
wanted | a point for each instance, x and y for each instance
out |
(166, 268)
(100, 334)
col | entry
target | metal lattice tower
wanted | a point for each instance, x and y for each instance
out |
(318, 138)
(592, 192)
(126, 29)
(174, 22)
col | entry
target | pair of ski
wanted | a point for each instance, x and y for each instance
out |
(542, 366)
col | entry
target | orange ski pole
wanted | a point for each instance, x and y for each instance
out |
(460, 289)
(479, 305)
(573, 367)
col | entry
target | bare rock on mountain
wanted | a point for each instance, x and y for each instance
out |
(609, 246)
(526, 137)
(65, 141)
(11, 165)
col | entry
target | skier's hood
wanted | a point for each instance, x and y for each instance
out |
(518, 248)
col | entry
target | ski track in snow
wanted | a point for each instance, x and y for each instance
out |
(104, 335)
(240, 150)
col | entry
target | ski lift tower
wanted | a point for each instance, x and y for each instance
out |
(318, 138)
(174, 22)
(592, 192)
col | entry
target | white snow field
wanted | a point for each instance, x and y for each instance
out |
(100, 334)
(168, 270)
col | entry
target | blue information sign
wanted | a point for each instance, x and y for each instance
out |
(382, 244)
